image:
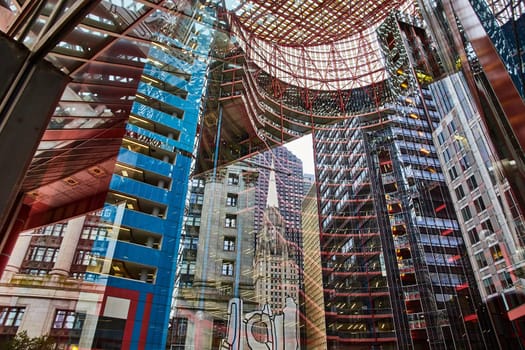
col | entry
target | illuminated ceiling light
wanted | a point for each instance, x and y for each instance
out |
(70, 181)
(97, 171)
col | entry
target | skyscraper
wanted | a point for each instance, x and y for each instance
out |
(394, 273)
(490, 218)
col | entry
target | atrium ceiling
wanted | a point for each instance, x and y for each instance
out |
(278, 70)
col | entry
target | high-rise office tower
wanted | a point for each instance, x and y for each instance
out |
(490, 218)
(394, 269)
(485, 39)
(217, 257)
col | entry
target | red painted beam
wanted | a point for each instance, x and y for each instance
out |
(82, 134)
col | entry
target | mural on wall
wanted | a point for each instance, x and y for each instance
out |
(262, 330)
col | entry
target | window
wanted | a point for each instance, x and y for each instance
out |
(233, 179)
(472, 183)
(480, 259)
(197, 183)
(489, 286)
(94, 232)
(487, 225)
(473, 235)
(465, 212)
(78, 275)
(459, 192)
(479, 204)
(446, 155)
(441, 138)
(190, 242)
(505, 279)
(451, 127)
(187, 268)
(196, 198)
(45, 254)
(464, 162)
(231, 200)
(83, 257)
(231, 221)
(227, 268)
(180, 327)
(35, 272)
(496, 253)
(67, 319)
(11, 316)
(56, 230)
(452, 172)
(458, 144)
(229, 244)
(193, 220)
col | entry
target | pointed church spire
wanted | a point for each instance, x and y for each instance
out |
(272, 200)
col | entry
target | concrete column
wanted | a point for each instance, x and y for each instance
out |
(150, 241)
(68, 247)
(143, 275)
(17, 255)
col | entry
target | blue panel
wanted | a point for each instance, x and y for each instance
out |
(142, 161)
(143, 221)
(138, 189)
(139, 254)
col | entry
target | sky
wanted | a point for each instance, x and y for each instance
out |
(303, 149)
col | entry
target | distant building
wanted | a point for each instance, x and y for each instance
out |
(276, 273)
(217, 257)
(308, 181)
(313, 282)
(288, 171)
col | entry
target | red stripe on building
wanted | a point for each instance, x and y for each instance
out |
(145, 322)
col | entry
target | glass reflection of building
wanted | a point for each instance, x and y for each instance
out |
(489, 216)
(216, 262)
(111, 289)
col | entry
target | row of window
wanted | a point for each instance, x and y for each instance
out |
(504, 278)
(56, 230)
(479, 204)
(45, 254)
(233, 179)
(11, 316)
(94, 232)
